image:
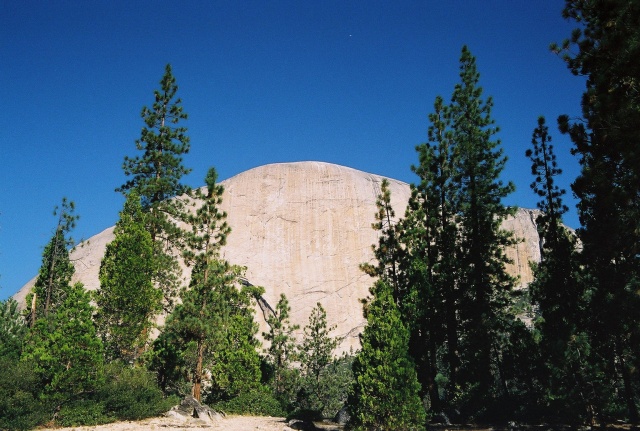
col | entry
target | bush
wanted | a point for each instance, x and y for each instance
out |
(20, 408)
(82, 412)
(132, 393)
(259, 402)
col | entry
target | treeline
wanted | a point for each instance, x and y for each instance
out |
(444, 341)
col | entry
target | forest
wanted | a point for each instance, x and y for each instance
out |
(444, 342)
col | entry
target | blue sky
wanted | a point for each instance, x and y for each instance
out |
(346, 82)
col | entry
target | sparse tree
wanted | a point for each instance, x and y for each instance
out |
(56, 269)
(282, 349)
(315, 356)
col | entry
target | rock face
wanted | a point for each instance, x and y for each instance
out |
(302, 229)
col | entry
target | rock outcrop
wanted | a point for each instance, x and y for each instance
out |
(302, 229)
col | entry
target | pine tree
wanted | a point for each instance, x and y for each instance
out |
(483, 280)
(315, 356)
(214, 323)
(156, 177)
(606, 50)
(65, 351)
(56, 269)
(556, 291)
(127, 300)
(387, 252)
(429, 235)
(282, 349)
(385, 393)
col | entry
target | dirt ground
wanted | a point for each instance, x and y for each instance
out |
(229, 423)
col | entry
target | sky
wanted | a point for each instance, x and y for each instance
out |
(340, 81)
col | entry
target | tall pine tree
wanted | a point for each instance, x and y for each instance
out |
(156, 177)
(606, 50)
(557, 294)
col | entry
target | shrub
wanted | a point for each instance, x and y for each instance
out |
(82, 412)
(20, 408)
(132, 393)
(259, 402)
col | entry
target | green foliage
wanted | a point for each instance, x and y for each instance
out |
(385, 392)
(606, 51)
(282, 350)
(259, 401)
(20, 405)
(483, 280)
(81, 412)
(64, 350)
(156, 177)
(318, 375)
(131, 393)
(157, 173)
(387, 251)
(451, 285)
(56, 270)
(127, 300)
(213, 329)
(12, 330)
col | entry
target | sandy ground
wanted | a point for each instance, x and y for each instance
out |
(230, 423)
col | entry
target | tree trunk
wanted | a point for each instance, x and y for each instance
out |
(197, 377)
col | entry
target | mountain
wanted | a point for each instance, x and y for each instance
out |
(303, 229)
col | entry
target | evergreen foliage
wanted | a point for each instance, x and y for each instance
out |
(156, 177)
(127, 300)
(387, 251)
(56, 270)
(21, 407)
(64, 350)
(213, 326)
(484, 282)
(385, 393)
(316, 358)
(606, 50)
(13, 330)
(282, 351)
(455, 294)
(557, 292)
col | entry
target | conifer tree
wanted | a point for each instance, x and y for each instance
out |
(214, 323)
(156, 177)
(127, 300)
(385, 392)
(65, 351)
(556, 292)
(315, 356)
(430, 238)
(387, 252)
(484, 282)
(56, 269)
(282, 349)
(605, 50)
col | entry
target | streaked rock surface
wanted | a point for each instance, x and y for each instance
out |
(302, 229)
